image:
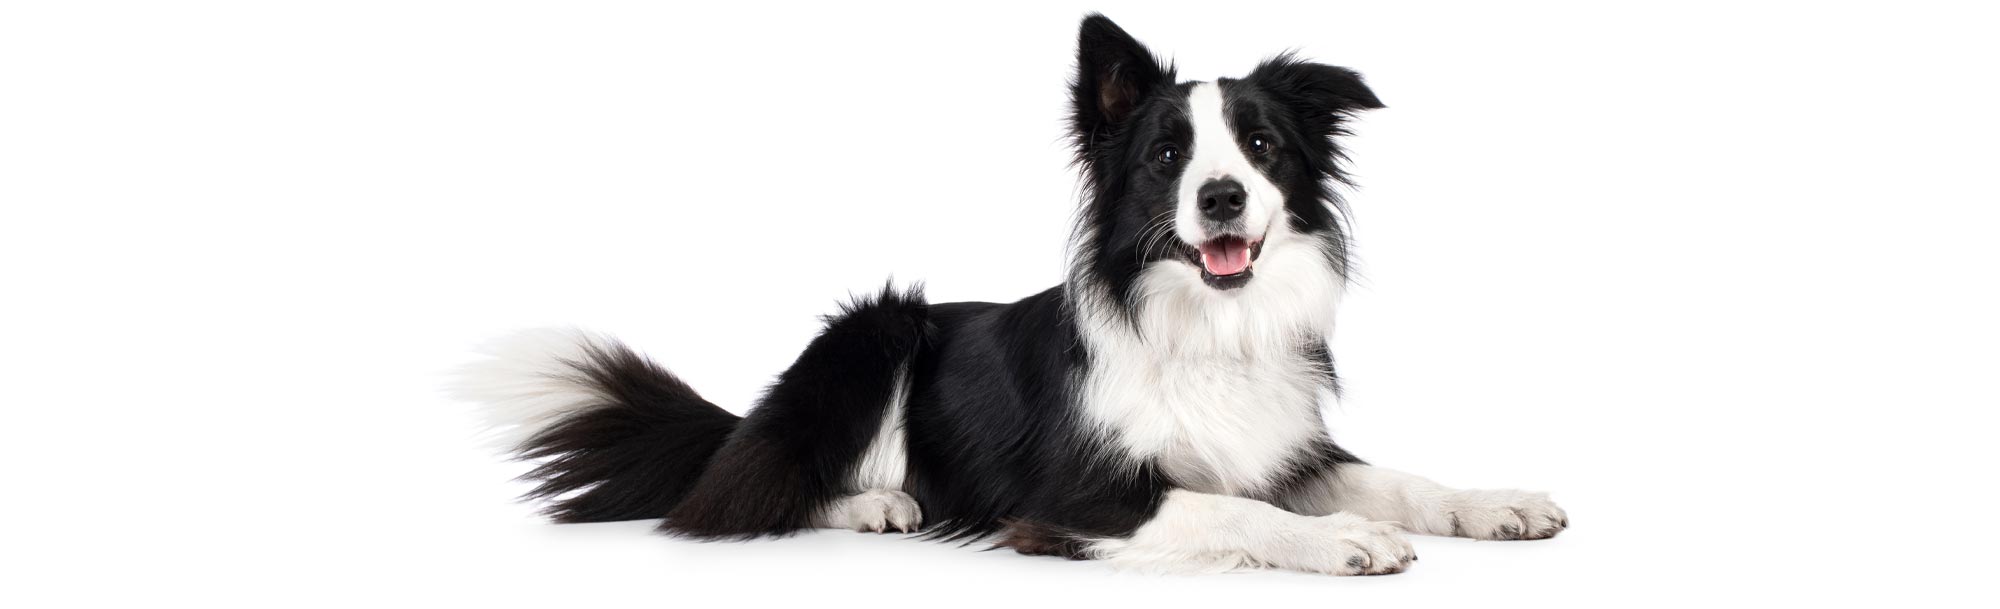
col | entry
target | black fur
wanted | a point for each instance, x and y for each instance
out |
(790, 455)
(995, 443)
(1127, 193)
(993, 434)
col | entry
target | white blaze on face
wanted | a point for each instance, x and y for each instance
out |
(1217, 155)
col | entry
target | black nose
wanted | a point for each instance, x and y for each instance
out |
(1221, 200)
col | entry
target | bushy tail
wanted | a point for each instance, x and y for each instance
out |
(618, 437)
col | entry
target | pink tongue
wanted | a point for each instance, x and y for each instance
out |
(1225, 256)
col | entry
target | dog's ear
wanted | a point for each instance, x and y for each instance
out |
(1114, 73)
(1325, 95)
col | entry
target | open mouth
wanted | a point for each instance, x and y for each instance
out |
(1226, 261)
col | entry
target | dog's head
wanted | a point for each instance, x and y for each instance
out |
(1204, 181)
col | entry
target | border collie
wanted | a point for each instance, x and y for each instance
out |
(1160, 409)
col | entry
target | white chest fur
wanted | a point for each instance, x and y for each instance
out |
(1216, 387)
(1217, 426)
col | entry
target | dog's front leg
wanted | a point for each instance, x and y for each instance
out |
(1202, 532)
(1422, 506)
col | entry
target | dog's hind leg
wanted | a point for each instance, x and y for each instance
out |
(824, 447)
(881, 505)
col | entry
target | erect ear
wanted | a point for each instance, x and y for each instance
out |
(1326, 94)
(1114, 73)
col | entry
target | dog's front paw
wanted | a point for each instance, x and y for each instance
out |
(1344, 544)
(877, 510)
(1504, 514)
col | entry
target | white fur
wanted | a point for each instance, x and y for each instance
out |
(524, 382)
(1216, 156)
(876, 510)
(886, 463)
(1423, 506)
(1196, 532)
(1214, 384)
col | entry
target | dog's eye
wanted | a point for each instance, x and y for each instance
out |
(1259, 145)
(1170, 155)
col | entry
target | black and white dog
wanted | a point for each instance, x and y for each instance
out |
(1159, 409)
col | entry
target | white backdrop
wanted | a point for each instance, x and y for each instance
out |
(1720, 276)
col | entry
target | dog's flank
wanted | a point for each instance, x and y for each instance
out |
(1159, 410)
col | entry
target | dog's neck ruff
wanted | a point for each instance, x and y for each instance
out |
(1220, 389)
